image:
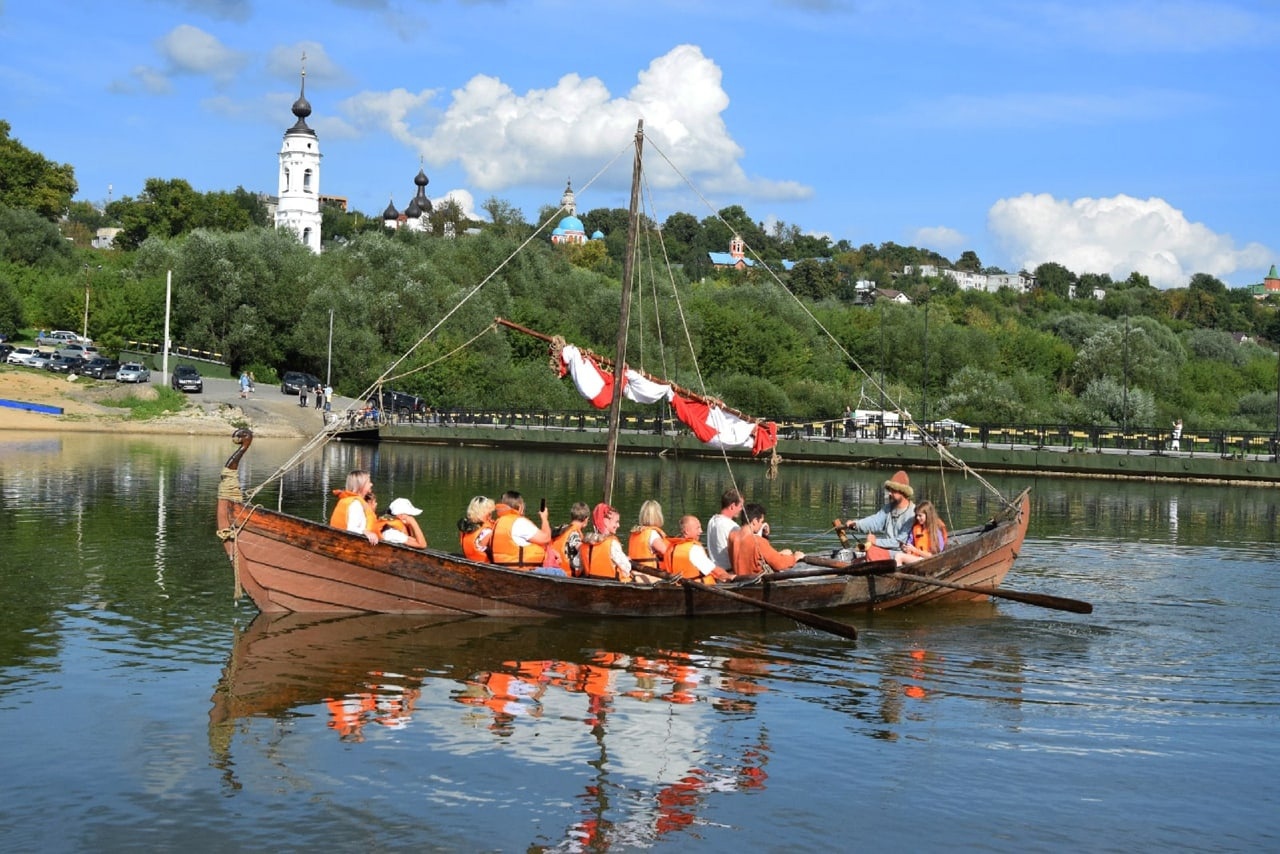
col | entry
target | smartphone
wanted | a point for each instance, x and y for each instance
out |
(542, 506)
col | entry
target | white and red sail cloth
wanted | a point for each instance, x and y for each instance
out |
(711, 424)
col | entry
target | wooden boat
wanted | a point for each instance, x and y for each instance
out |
(286, 563)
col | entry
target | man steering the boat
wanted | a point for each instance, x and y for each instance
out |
(888, 528)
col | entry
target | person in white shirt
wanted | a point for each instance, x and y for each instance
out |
(721, 525)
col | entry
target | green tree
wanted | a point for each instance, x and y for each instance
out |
(29, 180)
(1053, 278)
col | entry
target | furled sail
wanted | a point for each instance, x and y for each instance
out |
(713, 424)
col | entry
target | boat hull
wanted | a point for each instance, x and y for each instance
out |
(286, 563)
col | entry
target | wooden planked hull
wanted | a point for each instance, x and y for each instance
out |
(289, 564)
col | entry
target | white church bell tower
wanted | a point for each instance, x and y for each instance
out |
(298, 208)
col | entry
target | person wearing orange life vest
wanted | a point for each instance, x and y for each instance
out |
(516, 541)
(568, 542)
(602, 554)
(687, 557)
(352, 513)
(647, 546)
(400, 526)
(928, 535)
(750, 551)
(476, 528)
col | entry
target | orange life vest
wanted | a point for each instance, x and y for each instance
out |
(338, 519)
(678, 562)
(560, 545)
(470, 541)
(596, 560)
(640, 548)
(503, 549)
(921, 539)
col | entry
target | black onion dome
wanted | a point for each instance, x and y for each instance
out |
(391, 212)
(413, 211)
(421, 179)
(302, 109)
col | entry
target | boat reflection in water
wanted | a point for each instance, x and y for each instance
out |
(604, 733)
(625, 702)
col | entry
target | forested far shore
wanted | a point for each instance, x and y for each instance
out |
(804, 341)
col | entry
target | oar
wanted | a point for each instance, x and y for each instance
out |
(844, 630)
(1043, 600)
(836, 567)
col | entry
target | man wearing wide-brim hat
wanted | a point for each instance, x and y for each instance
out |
(888, 529)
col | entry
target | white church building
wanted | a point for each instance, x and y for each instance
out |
(298, 204)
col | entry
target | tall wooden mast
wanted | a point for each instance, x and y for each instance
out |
(620, 362)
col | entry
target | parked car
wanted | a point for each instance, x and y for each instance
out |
(62, 335)
(133, 372)
(64, 364)
(39, 360)
(101, 368)
(185, 378)
(84, 351)
(405, 407)
(21, 355)
(295, 381)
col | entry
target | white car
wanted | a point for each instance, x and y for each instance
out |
(21, 355)
(132, 372)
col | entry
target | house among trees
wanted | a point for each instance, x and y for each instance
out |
(969, 281)
(571, 230)
(735, 259)
(1270, 286)
(417, 215)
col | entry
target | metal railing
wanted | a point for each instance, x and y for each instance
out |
(1059, 437)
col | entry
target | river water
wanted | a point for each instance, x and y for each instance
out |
(143, 709)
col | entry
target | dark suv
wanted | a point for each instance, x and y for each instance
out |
(186, 378)
(402, 406)
(295, 381)
(101, 368)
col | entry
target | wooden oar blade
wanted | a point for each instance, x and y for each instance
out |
(835, 627)
(1043, 600)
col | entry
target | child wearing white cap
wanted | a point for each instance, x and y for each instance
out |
(401, 527)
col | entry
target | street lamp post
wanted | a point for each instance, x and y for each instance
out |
(1124, 399)
(924, 414)
(880, 420)
(88, 279)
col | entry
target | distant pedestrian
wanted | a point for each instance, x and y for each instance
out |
(244, 384)
(302, 394)
(1176, 444)
(318, 391)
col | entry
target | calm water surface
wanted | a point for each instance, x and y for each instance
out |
(143, 709)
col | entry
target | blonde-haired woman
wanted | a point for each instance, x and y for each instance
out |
(928, 535)
(647, 548)
(475, 529)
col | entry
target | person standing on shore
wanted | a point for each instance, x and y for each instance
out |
(1176, 444)
(244, 383)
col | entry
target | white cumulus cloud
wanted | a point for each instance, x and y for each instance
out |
(504, 138)
(190, 50)
(938, 238)
(1116, 235)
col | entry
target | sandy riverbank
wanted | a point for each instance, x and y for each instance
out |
(85, 405)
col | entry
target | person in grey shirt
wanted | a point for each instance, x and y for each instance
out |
(888, 528)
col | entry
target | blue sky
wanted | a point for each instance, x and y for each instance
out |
(1108, 136)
